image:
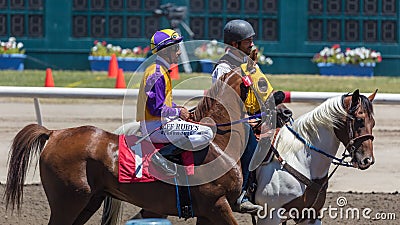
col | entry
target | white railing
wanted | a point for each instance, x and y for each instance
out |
(108, 93)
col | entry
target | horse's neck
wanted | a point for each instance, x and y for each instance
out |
(219, 100)
(309, 161)
(328, 143)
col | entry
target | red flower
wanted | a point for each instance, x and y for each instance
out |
(379, 58)
(104, 43)
(336, 46)
(146, 50)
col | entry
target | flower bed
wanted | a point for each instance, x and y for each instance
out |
(12, 55)
(353, 62)
(210, 52)
(128, 59)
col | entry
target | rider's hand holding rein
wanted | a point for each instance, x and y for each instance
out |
(184, 113)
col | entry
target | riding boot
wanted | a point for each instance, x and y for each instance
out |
(159, 158)
(244, 205)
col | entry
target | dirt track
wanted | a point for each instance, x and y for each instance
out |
(36, 211)
(384, 176)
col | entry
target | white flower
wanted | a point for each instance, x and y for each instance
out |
(136, 50)
(124, 52)
(12, 39)
(109, 46)
(269, 61)
(20, 45)
(214, 42)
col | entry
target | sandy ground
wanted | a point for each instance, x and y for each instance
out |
(375, 188)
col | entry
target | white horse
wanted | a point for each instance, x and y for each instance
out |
(348, 119)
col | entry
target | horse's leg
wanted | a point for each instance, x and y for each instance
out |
(223, 214)
(203, 221)
(112, 209)
(92, 206)
(66, 201)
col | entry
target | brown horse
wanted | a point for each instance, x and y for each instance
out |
(79, 166)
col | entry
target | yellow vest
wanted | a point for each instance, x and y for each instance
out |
(142, 112)
(261, 84)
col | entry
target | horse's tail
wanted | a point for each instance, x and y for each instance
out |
(30, 140)
(112, 211)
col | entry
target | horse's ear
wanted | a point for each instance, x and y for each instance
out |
(372, 96)
(354, 98)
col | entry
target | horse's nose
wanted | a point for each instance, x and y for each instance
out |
(368, 161)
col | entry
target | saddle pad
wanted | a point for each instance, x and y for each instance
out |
(135, 161)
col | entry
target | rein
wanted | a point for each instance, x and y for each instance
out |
(243, 120)
(339, 162)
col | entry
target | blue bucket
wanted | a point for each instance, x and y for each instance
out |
(148, 222)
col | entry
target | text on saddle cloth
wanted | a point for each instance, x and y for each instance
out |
(135, 160)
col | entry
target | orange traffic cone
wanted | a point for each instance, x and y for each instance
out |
(113, 66)
(120, 82)
(49, 82)
(174, 74)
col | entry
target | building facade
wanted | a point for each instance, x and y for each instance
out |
(60, 33)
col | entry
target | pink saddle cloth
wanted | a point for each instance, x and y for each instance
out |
(135, 161)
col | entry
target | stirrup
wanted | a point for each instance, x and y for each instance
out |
(166, 167)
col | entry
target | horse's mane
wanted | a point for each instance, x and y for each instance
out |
(210, 99)
(328, 114)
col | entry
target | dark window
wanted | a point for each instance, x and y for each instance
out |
(270, 30)
(370, 7)
(115, 26)
(370, 31)
(79, 26)
(334, 6)
(133, 5)
(80, 5)
(315, 7)
(389, 31)
(197, 5)
(270, 6)
(197, 25)
(97, 26)
(215, 6)
(352, 30)
(352, 7)
(3, 25)
(17, 25)
(215, 28)
(133, 26)
(334, 29)
(251, 6)
(233, 5)
(35, 26)
(315, 28)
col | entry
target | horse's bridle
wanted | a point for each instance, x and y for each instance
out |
(351, 119)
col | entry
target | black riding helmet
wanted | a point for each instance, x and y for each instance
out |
(237, 30)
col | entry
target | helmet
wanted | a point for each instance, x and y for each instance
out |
(164, 38)
(237, 30)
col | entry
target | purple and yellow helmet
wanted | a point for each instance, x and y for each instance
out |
(164, 38)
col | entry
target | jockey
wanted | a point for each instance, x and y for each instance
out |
(239, 34)
(155, 107)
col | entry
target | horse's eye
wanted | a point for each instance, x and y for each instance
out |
(262, 84)
(359, 123)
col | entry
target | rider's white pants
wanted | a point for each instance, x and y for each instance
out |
(174, 130)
